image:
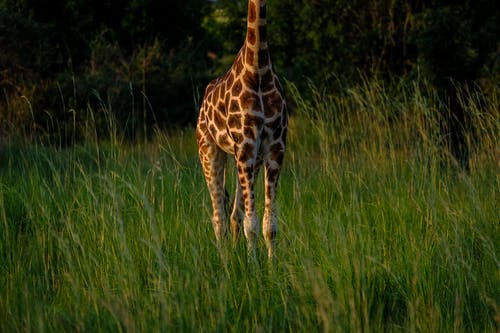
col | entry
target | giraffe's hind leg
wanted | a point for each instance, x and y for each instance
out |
(246, 162)
(213, 161)
(273, 163)
(238, 212)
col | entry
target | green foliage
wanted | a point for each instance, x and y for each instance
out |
(455, 41)
(226, 27)
(377, 231)
(140, 61)
(135, 90)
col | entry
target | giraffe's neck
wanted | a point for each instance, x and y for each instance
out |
(256, 49)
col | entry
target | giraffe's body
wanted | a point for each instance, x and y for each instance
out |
(243, 114)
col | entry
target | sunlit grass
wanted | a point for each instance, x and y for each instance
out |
(379, 229)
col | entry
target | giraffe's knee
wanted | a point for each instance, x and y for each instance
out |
(251, 227)
(219, 229)
(270, 235)
(270, 226)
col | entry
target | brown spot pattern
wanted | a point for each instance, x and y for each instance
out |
(249, 100)
(224, 140)
(212, 128)
(213, 98)
(272, 104)
(251, 36)
(237, 137)
(245, 153)
(253, 121)
(249, 133)
(234, 121)
(236, 90)
(239, 68)
(249, 57)
(229, 81)
(276, 152)
(221, 108)
(250, 79)
(252, 15)
(218, 120)
(234, 107)
(267, 81)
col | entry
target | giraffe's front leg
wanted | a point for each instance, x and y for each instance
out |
(273, 162)
(238, 212)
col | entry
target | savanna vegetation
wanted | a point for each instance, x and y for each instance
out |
(378, 229)
(388, 201)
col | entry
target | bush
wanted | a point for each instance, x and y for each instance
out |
(151, 87)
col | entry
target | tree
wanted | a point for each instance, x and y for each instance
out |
(456, 43)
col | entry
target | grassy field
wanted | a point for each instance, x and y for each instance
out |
(379, 230)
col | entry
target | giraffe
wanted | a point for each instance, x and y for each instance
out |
(243, 114)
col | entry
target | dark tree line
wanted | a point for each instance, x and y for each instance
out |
(147, 61)
(75, 60)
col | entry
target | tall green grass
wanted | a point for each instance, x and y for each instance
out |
(379, 230)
